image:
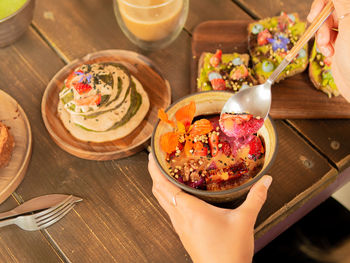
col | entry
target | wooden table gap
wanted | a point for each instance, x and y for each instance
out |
(309, 142)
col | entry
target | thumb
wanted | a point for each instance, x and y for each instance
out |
(256, 197)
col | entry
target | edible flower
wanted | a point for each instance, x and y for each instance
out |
(84, 77)
(184, 117)
(279, 43)
(169, 142)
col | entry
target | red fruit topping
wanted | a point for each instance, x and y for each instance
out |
(71, 76)
(89, 101)
(263, 36)
(284, 20)
(256, 149)
(216, 58)
(239, 125)
(327, 61)
(218, 84)
(240, 72)
(221, 179)
(226, 148)
(82, 88)
(213, 144)
(199, 149)
(201, 127)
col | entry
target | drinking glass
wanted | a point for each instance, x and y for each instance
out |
(151, 24)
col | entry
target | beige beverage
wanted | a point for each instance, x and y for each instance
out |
(151, 20)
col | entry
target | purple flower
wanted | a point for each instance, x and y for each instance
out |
(279, 43)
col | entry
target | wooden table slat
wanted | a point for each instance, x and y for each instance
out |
(16, 245)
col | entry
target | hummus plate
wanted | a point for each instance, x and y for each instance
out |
(112, 137)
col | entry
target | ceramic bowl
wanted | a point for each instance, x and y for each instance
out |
(211, 102)
(13, 26)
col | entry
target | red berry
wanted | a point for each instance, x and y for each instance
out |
(240, 72)
(82, 88)
(226, 148)
(263, 37)
(327, 61)
(256, 148)
(213, 144)
(216, 59)
(218, 84)
(91, 100)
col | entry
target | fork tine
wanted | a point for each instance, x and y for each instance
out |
(54, 212)
(53, 220)
(47, 211)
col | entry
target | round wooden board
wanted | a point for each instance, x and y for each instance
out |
(157, 88)
(14, 117)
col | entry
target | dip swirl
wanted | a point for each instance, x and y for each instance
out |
(98, 100)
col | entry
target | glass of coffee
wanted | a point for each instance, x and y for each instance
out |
(151, 24)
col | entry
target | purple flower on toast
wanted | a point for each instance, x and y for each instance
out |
(280, 42)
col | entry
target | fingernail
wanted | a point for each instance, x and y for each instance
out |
(325, 51)
(309, 17)
(149, 156)
(267, 180)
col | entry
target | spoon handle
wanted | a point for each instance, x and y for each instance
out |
(310, 31)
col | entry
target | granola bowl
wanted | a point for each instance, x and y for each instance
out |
(207, 104)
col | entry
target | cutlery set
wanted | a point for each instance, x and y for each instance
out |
(40, 212)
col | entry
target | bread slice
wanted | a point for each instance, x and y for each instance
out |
(320, 73)
(230, 63)
(270, 39)
(6, 145)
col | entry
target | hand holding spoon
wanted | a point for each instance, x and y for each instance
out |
(257, 99)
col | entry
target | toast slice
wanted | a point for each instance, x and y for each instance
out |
(224, 71)
(320, 73)
(6, 145)
(270, 39)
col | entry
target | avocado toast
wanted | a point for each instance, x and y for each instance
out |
(270, 39)
(224, 71)
(320, 73)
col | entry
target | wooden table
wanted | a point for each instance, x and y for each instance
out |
(119, 219)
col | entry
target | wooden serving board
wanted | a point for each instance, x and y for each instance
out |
(157, 88)
(14, 117)
(292, 98)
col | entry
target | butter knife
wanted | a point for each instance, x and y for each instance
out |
(37, 204)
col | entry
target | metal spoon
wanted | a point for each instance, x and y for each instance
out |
(256, 100)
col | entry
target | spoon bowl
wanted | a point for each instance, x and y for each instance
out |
(254, 100)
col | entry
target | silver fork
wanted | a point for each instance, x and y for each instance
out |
(42, 219)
